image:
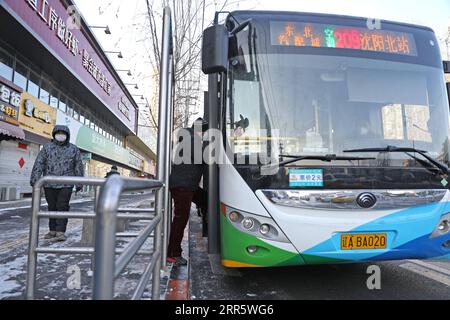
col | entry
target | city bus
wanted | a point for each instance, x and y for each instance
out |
(334, 140)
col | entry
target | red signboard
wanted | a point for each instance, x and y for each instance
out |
(50, 22)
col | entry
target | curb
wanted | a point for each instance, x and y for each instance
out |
(178, 284)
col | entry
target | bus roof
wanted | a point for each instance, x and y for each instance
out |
(262, 13)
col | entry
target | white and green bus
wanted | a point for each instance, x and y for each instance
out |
(336, 136)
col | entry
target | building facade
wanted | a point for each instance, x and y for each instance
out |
(54, 71)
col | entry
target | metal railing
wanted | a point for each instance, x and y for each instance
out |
(165, 126)
(107, 268)
(106, 209)
(36, 215)
(106, 212)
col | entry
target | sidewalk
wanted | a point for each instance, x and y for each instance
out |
(67, 276)
(25, 203)
(178, 283)
(195, 250)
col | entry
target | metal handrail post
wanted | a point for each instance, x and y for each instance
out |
(169, 197)
(105, 230)
(33, 242)
(168, 158)
(172, 104)
(162, 139)
(96, 197)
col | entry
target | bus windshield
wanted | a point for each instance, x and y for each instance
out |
(320, 104)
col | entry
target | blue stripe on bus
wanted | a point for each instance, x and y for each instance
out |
(412, 228)
(420, 248)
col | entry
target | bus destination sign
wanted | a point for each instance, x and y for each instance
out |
(300, 34)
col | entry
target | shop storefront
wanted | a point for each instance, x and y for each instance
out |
(53, 73)
(14, 154)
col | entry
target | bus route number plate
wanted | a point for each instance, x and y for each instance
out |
(306, 178)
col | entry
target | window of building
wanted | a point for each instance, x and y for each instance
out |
(62, 103)
(33, 85)
(54, 98)
(87, 122)
(69, 108)
(20, 76)
(6, 66)
(82, 119)
(76, 114)
(44, 93)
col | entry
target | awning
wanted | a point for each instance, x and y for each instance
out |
(11, 130)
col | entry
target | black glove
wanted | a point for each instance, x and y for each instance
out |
(243, 123)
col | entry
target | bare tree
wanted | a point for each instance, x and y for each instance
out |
(188, 24)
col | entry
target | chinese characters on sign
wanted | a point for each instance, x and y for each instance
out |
(95, 72)
(32, 111)
(9, 104)
(329, 36)
(61, 25)
(56, 23)
(306, 178)
(36, 116)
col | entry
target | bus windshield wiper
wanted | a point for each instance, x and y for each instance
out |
(443, 169)
(325, 158)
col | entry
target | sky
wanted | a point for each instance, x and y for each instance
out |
(431, 13)
(126, 17)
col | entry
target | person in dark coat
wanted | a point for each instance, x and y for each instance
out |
(58, 158)
(184, 182)
(114, 170)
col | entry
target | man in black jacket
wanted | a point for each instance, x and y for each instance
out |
(58, 158)
(184, 183)
(114, 171)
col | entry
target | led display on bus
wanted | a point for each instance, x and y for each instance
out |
(332, 36)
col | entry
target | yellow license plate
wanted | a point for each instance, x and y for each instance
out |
(363, 241)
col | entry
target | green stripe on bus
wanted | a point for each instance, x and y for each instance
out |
(234, 247)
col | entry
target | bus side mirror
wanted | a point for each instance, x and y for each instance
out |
(446, 66)
(215, 49)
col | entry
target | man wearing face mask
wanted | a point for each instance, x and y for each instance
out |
(58, 158)
(184, 183)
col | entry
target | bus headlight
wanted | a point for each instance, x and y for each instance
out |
(264, 229)
(443, 227)
(255, 225)
(248, 223)
(234, 216)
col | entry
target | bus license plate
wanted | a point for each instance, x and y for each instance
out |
(363, 241)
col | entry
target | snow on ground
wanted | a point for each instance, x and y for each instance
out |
(55, 273)
(9, 272)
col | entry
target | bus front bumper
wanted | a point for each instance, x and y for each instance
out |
(315, 237)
